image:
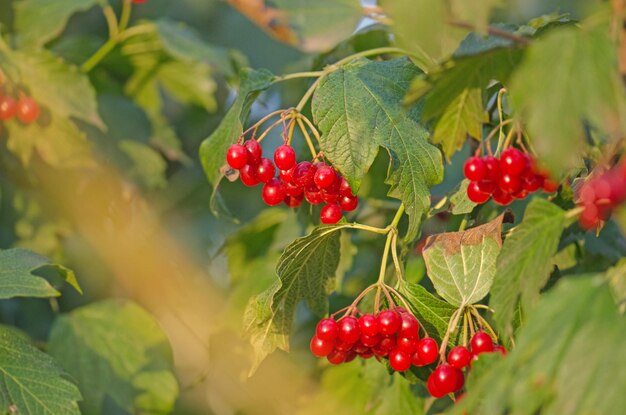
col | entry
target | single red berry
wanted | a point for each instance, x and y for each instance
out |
(380, 351)
(427, 350)
(368, 325)
(520, 194)
(359, 348)
(481, 343)
(286, 175)
(321, 348)
(501, 197)
(349, 329)
(293, 190)
(407, 345)
(237, 156)
(343, 346)
(313, 195)
(303, 174)
(510, 183)
(330, 214)
(348, 203)
(367, 354)
(8, 108)
(344, 188)
(389, 322)
(409, 326)
(294, 201)
(475, 169)
(350, 356)
(532, 182)
(590, 217)
(388, 343)
(370, 341)
(273, 192)
(265, 170)
(27, 110)
(285, 157)
(246, 173)
(415, 359)
(327, 329)
(324, 176)
(460, 380)
(254, 151)
(445, 378)
(493, 168)
(475, 195)
(337, 357)
(329, 197)
(618, 187)
(459, 357)
(550, 186)
(399, 360)
(487, 186)
(432, 387)
(513, 162)
(500, 349)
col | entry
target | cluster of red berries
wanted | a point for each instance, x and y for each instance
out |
(448, 377)
(512, 176)
(315, 182)
(24, 109)
(600, 195)
(391, 334)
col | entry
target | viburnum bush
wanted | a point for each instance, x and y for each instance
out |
(424, 213)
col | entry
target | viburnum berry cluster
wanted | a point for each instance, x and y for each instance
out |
(315, 181)
(391, 334)
(512, 176)
(449, 377)
(599, 195)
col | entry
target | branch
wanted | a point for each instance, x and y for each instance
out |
(494, 31)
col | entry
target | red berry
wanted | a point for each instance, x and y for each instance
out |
(493, 168)
(265, 170)
(500, 349)
(550, 186)
(427, 350)
(532, 182)
(481, 343)
(445, 378)
(8, 108)
(246, 173)
(293, 190)
(327, 329)
(285, 157)
(459, 357)
(618, 187)
(502, 198)
(348, 330)
(329, 197)
(475, 169)
(254, 151)
(344, 188)
(475, 195)
(407, 345)
(409, 326)
(590, 217)
(520, 194)
(348, 203)
(387, 343)
(350, 356)
(367, 354)
(487, 186)
(432, 387)
(337, 357)
(286, 175)
(321, 348)
(324, 176)
(293, 201)
(388, 322)
(303, 174)
(368, 325)
(460, 380)
(313, 195)
(343, 346)
(415, 359)
(370, 341)
(237, 156)
(273, 192)
(510, 183)
(513, 162)
(330, 214)
(400, 361)
(27, 110)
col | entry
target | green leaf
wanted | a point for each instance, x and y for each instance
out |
(617, 281)
(18, 278)
(475, 13)
(565, 360)
(146, 165)
(525, 263)
(397, 399)
(462, 265)
(31, 382)
(116, 350)
(464, 116)
(306, 272)
(461, 204)
(39, 21)
(213, 148)
(554, 99)
(358, 109)
(431, 311)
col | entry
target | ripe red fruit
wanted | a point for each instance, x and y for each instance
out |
(273, 192)
(513, 162)
(389, 322)
(294, 201)
(532, 182)
(348, 330)
(237, 156)
(368, 325)
(510, 183)
(303, 174)
(331, 213)
(370, 341)
(327, 329)
(501, 197)
(550, 186)
(27, 110)
(324, 176)
(475, 169)
(254, 151)
(313, 195)
(427, 350)
(344, 188)
(246, 173)
(445, 378)
(415, 359)
(487, 186)
(348, 203)
(432, 387)
(481, 343)
(8, 108)
(399, 360)
(407, 345)
(475, 194)
(493, 168)
(337, 357)
(387, 343)
(350, 356)
(285, 157)
(329, 197)
(500, 349)
(460, 380)
(265, 170)
(293, 190)
(459, 357)
(321, 348)
(409, 326)
(286, 175)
